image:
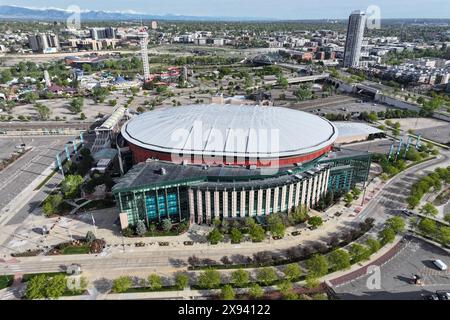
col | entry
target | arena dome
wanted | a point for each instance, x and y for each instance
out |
(229, 134)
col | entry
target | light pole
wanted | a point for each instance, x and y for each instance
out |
(93, 225)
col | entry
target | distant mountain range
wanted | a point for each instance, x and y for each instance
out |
(54, 14)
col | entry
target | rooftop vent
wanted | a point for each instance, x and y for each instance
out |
(163, 171)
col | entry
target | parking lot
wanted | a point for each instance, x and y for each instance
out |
(396, 275)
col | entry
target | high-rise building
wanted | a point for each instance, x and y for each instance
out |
(355, 32)
(103, 33)
(43, 41)
(154, 25)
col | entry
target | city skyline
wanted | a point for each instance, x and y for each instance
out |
(285, 9)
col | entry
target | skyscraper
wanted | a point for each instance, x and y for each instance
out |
(355, 32)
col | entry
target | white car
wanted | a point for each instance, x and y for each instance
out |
(440, 265)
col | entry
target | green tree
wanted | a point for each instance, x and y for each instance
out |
(339, 259)
(140, 228)
(36, 287)
(240, 278)
(387, 235)
(167, 224)
(51, 204)
(236, 235)
(256, 291)
(76, 105)
(315, 222)
(121, 284)
(266, 275)
(181, 280)
(257, 233)
(358, 252)
(317, 266)
(292, 271)
(444, 235)
(348, 199)
(70, 186)
(43, 111)
(285, 286)
(215, 236)
(276, 225)
(396, 223)
(209, 279)
(373, 244)
(227, 293)
(56, 286)
(447, 217)
(413, 201)
(155, 281)
(312, 282)
(428, 226)
(429, 209)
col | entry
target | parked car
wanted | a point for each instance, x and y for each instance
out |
(443, 295)
(439, 264)
(431, 297)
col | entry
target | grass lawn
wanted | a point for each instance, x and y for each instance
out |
(6, 281)
(76, 250)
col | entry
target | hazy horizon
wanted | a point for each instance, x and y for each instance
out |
(262, 9)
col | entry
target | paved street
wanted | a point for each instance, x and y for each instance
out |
(29, 167)
(396, 275)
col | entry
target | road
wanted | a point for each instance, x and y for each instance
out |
(396, 275)
(22, 172)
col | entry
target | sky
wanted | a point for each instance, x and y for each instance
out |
(278, 9)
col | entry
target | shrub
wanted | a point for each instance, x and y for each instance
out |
(209, 279)
(121, 284)
(266, 275)
(227, 293)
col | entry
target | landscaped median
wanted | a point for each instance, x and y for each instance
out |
(289, 281)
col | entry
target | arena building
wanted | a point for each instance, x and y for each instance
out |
(204, 162)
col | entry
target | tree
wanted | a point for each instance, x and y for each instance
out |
(356, 192)
(317, 266)
(444, 235)
(292, 271)
(215, 236)
(227, 293)
(181, 281)
(90, 237)
(167, 224)
(396, 223)
(51, 204)
(348, 199)
(359, 252)
(276, 225)
(447, 217)
(373, 244)
(312, 282)
(70, 186)
(209, 279)
(256, 291)
(155, 282)
(266, 275)
(140, 228)
(429, 209)
(236, 235)
(428, 226)
(285, 287)
(121, 284)
(43, 111)
(82, 116)
(413, 201)
(240, 277)
(339, 259)
(315, 222)
(36, 287)
(76, 105)
(387, 235)
(257, 233)
(56, 286)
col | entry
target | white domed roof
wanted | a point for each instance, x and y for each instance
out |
(230, 130)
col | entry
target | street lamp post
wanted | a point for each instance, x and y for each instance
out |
(93, 225)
